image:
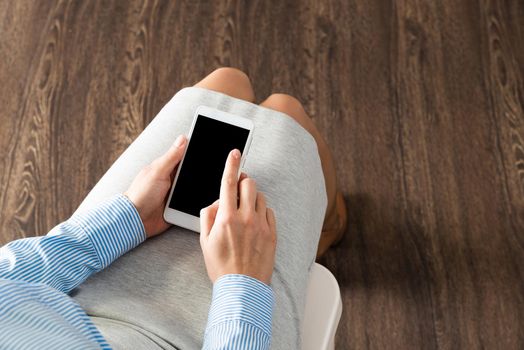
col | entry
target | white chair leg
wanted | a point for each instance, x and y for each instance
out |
(331, 345)
(323, 310)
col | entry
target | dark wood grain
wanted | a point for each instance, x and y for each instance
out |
(422, 103)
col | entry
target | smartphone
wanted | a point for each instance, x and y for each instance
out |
(213, 135)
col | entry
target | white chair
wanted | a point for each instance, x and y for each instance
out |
(323, 310)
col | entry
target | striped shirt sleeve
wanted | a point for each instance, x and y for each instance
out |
(240, 314)
(85, 244)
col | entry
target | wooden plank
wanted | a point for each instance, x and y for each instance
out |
(421, 102)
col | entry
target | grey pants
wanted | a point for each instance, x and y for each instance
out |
(157, 296)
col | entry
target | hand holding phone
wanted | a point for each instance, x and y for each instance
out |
(213, 135)
(150, 187)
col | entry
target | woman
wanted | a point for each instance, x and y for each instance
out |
(157, 296)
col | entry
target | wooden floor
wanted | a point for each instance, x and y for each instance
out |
(421, 101)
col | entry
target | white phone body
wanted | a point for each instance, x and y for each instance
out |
(182, 218)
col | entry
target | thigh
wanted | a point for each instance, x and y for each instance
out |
(292, 107)
(162, 286)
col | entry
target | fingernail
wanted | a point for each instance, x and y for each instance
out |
(180, 140)
(235, 153)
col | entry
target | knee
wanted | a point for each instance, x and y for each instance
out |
(291, 106)
(231, 74)
(230, 81)
(286, 104)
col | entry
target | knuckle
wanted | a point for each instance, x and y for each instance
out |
(228, 218)
(228, 180)
(249, 220)
(250, 182)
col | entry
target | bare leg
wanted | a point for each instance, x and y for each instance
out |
(336, 217)
(229, 81)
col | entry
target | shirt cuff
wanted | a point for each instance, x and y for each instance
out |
(114, 228)
(241, 298)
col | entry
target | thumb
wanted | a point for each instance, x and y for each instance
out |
(169, 160)
(207, 219)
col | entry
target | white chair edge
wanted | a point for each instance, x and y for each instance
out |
(323, 310)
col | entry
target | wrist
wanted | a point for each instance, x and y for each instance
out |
(255, 275)
(138, 212)
(113, 226)
(246, 298)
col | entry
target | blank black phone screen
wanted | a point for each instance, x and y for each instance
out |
(198, 183)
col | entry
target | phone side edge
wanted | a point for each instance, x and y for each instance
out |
(166, 207)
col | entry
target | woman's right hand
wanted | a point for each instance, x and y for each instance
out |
(238, 231)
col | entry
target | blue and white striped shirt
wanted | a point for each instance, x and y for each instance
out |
(37, 273)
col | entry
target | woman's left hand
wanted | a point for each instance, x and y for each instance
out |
(149, 190)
